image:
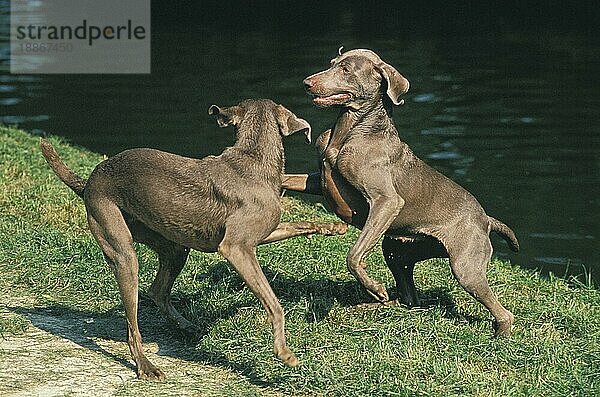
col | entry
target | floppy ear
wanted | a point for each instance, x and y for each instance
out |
(226, 116)
(396, 83)
(289, 123)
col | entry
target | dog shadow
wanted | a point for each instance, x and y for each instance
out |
(84, 327)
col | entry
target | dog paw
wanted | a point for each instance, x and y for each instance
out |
(503, 328)
(291, 361)
(378, 292)
(502, 331)
(408, 300)
(341, 228)
(287, 356)
(335, 228)
(148, 371)
(328, 229)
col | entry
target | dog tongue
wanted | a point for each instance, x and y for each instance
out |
(331, 99)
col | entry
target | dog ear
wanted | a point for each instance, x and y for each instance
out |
(226, 116)
(396, 83)
(289, 123)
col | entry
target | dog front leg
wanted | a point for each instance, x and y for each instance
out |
(382, 213)
(243, 259)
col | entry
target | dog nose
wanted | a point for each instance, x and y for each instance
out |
(308, 83)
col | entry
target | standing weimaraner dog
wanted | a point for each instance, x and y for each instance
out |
(228, 203)
(372, 180)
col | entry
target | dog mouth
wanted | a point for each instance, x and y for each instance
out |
(331, 100)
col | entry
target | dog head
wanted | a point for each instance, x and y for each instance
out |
(255, 111)
(355, 78)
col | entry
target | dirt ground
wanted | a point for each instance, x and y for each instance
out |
(74, 355)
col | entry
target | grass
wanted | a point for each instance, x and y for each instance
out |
(49, 263)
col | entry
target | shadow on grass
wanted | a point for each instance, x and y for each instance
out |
(83, 327)
(323, 293)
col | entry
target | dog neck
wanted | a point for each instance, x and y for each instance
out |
(258, 143)
(371, 118)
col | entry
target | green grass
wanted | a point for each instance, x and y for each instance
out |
(48, 260)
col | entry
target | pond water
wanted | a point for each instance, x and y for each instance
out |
(510, 114)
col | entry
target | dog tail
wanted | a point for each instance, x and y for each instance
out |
(72, 180)
(506, 233)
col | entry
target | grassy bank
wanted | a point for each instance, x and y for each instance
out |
(54, 282)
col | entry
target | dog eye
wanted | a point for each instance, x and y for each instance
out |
(345, 69)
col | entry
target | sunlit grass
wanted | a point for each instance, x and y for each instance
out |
(48, 259)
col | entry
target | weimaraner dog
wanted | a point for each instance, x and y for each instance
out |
(372, 180)
(228, 203)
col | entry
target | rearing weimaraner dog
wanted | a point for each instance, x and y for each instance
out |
(372, 180)
(227, 203)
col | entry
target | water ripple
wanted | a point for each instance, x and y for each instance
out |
(10, 120)
(426, 98)
(444, 155)
(452, 130)
(562, 236)
(9, 101)
(7, 88)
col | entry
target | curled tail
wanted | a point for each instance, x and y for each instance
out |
(506, 233)
(72, 180)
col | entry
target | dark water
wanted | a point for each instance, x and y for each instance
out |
(509, 111)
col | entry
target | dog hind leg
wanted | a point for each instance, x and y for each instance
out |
(171, 259)
(401, 264)
(469, 265)
(112, 234)
(401, 257)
